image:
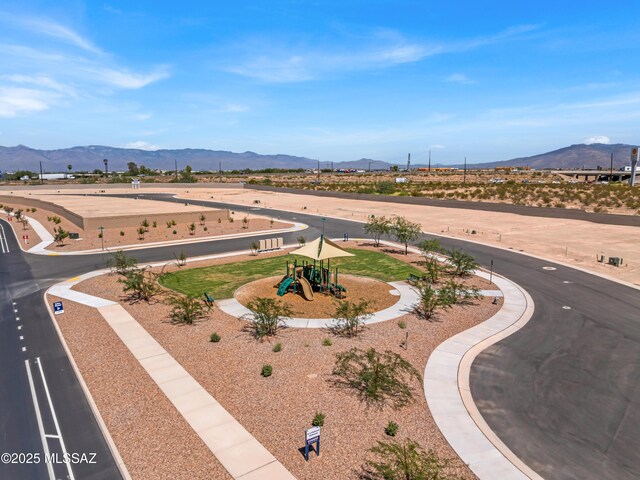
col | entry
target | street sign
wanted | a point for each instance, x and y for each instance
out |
(25, 237)
(312, 435)
(58, 308)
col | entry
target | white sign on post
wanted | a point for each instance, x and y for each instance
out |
(312, 433)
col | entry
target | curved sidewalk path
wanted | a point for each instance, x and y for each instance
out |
(239, 452)
(446, 387)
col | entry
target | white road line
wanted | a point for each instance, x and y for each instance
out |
(3, 240)
(55, 419)
(45, 445)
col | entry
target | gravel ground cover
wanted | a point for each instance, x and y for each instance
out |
(113, 237)
(154, 440)
(322, 305)
(279, 408)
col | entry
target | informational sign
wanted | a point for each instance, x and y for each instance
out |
(26, 239)
(312, 435)
(58, 308)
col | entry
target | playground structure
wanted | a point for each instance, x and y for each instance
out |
(310, 277)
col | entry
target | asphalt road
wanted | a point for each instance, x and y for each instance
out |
(563, 393)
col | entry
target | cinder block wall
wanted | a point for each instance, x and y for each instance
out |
(74, 218)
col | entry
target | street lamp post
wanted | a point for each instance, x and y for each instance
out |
(106, 167)
(323, 220)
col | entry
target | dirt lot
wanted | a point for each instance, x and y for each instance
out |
(278, 409)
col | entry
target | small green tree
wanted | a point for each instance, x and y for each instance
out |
(405, 460)
(267, 316)
(254, 248)
(463, 264)
(186, 309)
(25, 223)
(141, 230)
(301, 241)
(18, 214)
(453, 292)
(202, 218)
(378, 378)
(140, 284)
(430, 301)
(376, 227)
(59, 235)
(405, 231)
(434, 269)
(121, 264)
(348, 316)
(192, 228)
(429, 247)
(145, 225)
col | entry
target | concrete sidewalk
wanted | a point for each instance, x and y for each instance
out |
(238, 451)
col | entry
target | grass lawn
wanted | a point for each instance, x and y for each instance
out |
(222, 280)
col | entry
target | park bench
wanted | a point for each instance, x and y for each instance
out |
(208, 299)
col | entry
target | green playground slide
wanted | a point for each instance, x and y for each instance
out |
(282, 289)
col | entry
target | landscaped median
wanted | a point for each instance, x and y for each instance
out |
(308, 374)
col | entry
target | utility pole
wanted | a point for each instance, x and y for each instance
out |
(41, 177)
(464, 175)
(369, 167)
(176, 167)
(106, 167)
(220, 170)
(611, 169)
(318, 171)
(408, 162)
(429, 170)
(634, 163)
(332, 165)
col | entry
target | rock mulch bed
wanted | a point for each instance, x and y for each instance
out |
(277, 409)
(322, 305)
(154, 440)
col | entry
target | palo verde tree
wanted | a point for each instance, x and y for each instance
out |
(121, 263)
(140, 284)
(376, 227)
(405, 231)
(59, 235)
(430, 302)
(378, 378)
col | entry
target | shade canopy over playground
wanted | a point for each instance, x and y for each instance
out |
(321, 249)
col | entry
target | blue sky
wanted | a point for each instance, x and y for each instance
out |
(333, 80)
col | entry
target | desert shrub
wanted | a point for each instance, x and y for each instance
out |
(349, 316)
(277, 347)
(192, 228)
(267, 316)
(215, 338)
(169, 224)
(318, 419)
(404, 461)
(301, 241)
(121, 264)
(463, 264)
(121, 233)
(430, 302)
(181, 260)
(202, 218)
(145, 225)
(402, 324)
(154, 224)
(175, 232)
(327, 342)
(391, 429)
(59, 235)
(254, 248)
(186, 309)
(378, 378)
(266, 370)
(453, 292)
(140, 284)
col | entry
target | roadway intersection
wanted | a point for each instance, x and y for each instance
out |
(563, 393)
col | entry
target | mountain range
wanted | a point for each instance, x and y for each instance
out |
(92, 157)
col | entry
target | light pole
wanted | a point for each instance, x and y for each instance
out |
(491, 274)
(323, 220)
(106, 167)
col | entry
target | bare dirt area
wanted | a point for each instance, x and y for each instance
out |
(154, 440)
(323, 305)
(277, 409)
(118, 237)
(573, 242)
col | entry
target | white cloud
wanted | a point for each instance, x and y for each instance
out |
(39, 80)
(51, 29)
(142, 116)
(597, 139)
(278, 64)
(459, 78)
(16, 101)
(437, 146)
(129, 80)
(142, 145)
